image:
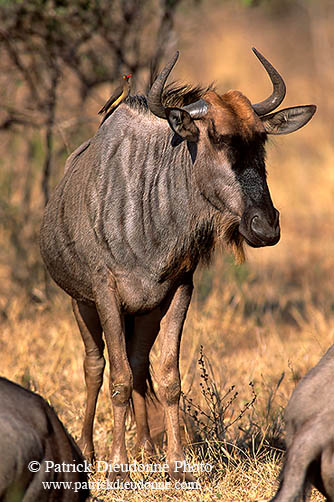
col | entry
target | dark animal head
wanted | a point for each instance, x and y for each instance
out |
(226, 135)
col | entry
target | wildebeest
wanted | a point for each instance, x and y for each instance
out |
(309, 418)
(164, 180)
(30, 431)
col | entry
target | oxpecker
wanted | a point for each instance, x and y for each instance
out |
(116, 98)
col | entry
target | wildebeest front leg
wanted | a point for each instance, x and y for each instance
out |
(121, 381)
(91, 332)
(169, 377)
(145, 330)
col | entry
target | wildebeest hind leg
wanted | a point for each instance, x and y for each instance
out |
(91, 332)
(145, 330)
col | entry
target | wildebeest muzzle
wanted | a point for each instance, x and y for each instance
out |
(259, 227)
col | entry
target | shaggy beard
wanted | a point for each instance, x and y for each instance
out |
(229, 237)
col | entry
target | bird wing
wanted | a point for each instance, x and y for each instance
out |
(114, 100)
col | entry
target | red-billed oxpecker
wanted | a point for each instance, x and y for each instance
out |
(119, 95)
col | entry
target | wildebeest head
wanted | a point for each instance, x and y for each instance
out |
(226, 135)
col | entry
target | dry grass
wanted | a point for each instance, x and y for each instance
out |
(271, 316)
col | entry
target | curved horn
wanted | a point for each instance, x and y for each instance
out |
(197, 109)
(155, 94)
(279, 89)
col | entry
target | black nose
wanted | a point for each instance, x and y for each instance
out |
(265, 230)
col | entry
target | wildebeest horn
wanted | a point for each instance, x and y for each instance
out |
(195, 110)
(155, 94)
(279, 88)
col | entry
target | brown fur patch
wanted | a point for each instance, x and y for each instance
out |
(232, 113)
(241, 106)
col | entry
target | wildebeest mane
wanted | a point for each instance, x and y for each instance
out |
(178, 95)
(174, 95)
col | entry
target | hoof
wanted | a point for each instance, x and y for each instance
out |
(144, 450)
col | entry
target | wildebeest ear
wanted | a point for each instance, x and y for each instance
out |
(182, 124)
(288, 120)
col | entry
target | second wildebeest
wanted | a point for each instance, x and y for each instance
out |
(309, 418)
(145, 200)
(33, 442)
